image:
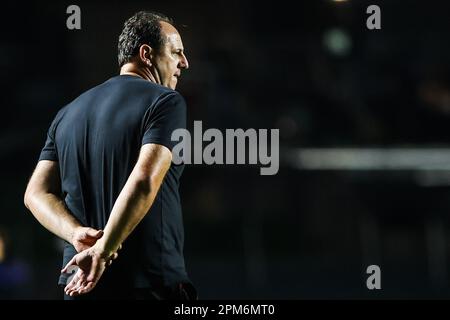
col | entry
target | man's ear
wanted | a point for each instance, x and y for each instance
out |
(146, 54)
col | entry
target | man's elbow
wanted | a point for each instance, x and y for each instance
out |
(29, 196)
(26, 199)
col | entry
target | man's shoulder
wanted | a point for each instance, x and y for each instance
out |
(159, 91)
(137, 90)
(127, 82)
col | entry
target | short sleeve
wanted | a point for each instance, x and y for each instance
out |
(49, 150)
(161, 120)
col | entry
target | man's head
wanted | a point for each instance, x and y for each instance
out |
(151, 43)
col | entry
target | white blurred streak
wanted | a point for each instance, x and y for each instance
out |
(370, 159)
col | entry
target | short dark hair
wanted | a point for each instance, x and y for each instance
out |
(142, 28)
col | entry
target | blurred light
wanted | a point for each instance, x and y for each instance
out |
(370, 159)
(2, 250)
(433, 178)
(337, 42)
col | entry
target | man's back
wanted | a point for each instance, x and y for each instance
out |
(97, 139)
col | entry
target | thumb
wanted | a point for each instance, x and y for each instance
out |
(94, 233)
(72, 262)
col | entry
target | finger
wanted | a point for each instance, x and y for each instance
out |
(83, 287)
(72, 262)
(79, 284)
(76, 292)
(110, 260)
(94, 233)
(73, 293)
(74, 288)
(79, 276)
(71, 284)
(87, 288)
(68, 288)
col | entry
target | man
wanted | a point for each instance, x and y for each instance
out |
(108, 153)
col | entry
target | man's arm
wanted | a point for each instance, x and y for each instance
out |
(136, 197)
(133, 203)
(42, 198)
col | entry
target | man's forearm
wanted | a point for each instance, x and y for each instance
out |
(136, 197)
(130, 208)
(42, 199)
(52, 213)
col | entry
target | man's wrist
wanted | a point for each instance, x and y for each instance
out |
(101, 249)
(71, 235)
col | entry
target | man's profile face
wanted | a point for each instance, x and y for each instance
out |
(170, 59)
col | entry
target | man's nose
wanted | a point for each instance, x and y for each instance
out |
(184, 64)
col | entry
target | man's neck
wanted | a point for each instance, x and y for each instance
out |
(133, 70)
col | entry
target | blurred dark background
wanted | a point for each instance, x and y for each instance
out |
(311, 69)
